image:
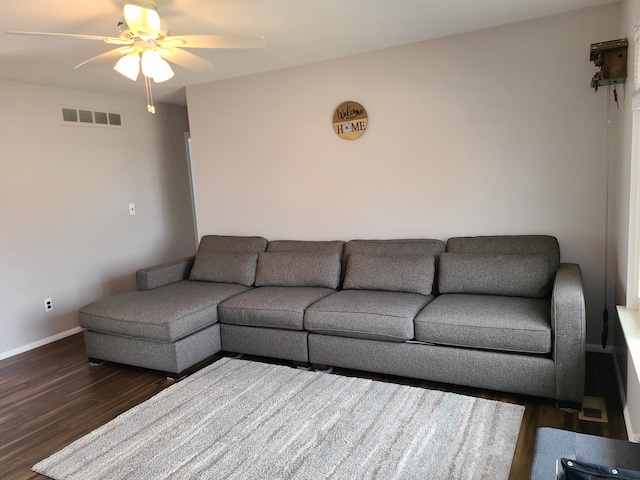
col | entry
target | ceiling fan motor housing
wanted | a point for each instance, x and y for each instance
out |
(125, 32)
(150, 4)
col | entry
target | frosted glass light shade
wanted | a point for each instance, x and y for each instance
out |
(156, 67)
(129, 66)
(144, 21)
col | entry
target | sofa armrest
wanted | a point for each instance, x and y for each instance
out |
(154, 277)
(568, 321)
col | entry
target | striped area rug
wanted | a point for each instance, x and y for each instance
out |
(239, 419)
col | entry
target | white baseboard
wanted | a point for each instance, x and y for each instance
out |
(40, 343)
(632, 436)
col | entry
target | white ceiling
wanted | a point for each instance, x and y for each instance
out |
(296, 32)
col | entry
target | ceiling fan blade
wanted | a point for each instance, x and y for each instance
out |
(214, 41)
(104, 57)
(111, 40)
(185, 59)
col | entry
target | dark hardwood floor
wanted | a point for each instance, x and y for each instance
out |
(50, 396)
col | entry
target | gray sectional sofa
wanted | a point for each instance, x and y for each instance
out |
(495, 312)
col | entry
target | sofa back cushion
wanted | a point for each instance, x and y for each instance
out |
(494, 274)
(422, 247)
(503, 276)
(298, 269)
(394, 273)
(544, 245)
(306, 246)
(227, 259)
(230, 243)
(418, 246)
(226, 267)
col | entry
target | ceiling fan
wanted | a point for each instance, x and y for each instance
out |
(144, 44)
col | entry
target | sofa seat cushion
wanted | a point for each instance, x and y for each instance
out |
(164, 314)
(366, 314)
(275, 307)
(513, 324)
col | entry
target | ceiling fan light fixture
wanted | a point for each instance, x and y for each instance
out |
(142, 17)
(144, 41)
(156, 67)
(129, 65)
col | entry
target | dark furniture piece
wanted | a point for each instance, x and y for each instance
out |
(553, 444)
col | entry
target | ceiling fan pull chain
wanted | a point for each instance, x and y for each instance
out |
(147, 84)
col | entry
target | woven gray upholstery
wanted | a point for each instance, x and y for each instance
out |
(265, 342)
(226, 267)
(418, 246)
(507, 372)
(308, 269)
(231, 243)
(170, 323)
(171, 357)
(306, 246)
(395, 273)
(568, 320)
(159, 275)
(553, 444)
(163, 314)
(509, 245)
(366, 314)
(276, 307)
(215, 261)
(491, 274)
(488, 322)
(291, 275)
(380, 265)
(508, 316)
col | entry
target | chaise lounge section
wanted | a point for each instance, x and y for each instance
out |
(171, 322)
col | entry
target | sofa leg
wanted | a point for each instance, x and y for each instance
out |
(321, 368)
(95, 362)
(569, 407)
(301, 365)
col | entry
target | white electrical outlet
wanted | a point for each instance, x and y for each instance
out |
(132, 209)
(48, 305)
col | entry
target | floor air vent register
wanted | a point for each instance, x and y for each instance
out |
(594, 409)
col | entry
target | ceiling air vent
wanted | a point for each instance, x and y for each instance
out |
(88, 118)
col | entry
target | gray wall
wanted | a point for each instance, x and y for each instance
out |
(490, 132)
(64, 194)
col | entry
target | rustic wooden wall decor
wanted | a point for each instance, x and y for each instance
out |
(350, 120)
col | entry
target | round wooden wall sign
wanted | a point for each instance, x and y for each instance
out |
(350, 120)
